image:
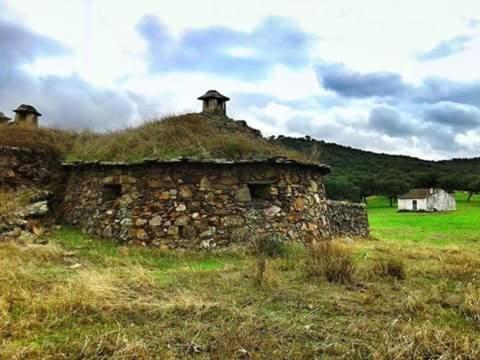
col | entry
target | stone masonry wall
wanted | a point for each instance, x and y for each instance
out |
(20, 167)
(189, 205)
(203, 205)
(194, 205)
(346, 218)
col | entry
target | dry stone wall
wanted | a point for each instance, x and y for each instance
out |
(30, 190)
(203, 205)
(346, 219)
(21, 167)
(194, 204)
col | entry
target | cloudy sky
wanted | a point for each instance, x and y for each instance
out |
(384, 75)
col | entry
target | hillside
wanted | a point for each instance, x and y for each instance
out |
(189, 135)
(351, 162)
(358, 173)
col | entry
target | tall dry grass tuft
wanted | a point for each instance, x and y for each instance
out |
(460, 265)
(293, 256)
(114, 345)
(30, 296)
(265, 246)
(51, 140)
(471, 306)
(331, 260)
(390, 268)
(423, 342)
(8, 202)
(93, 292)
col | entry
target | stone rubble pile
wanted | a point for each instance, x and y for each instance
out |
(24, 225)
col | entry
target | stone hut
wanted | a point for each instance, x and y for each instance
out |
(214, 103)
(192, 203)
(26, 115)
(3, 118)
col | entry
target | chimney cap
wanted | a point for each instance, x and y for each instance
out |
(27, 109)
(213, 94)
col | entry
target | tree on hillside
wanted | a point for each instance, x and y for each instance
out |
(427, 180)
(473, 188)
(367, 187)
(450, 183)
(340, 188)
(392, 188)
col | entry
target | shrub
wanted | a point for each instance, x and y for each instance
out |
(391, 268)
(332, 260)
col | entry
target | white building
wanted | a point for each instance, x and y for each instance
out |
(427, 200)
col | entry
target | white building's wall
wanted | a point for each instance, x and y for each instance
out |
(441, 200)
(407, 204)
(403, 204)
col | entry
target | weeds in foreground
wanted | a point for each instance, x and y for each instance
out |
(147, 304)
(293, 256)
(265, 246)
(391, 268)
(331, 260)
(472, 304)
(423, 342)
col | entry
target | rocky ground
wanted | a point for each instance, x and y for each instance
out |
(24, 216)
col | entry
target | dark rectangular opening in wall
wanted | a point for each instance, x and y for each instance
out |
(260, 191)
(111, 192)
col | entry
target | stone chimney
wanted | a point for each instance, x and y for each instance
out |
(214, 103)
(26, 115)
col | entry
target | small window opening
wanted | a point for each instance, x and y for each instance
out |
(260, 191)
(111, 192)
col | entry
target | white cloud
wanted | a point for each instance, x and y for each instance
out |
(369, 36)
(241, 52)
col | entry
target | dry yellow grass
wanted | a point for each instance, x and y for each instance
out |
(12, 201)
(193, 135)
(147, 304)
(8, 202)
(55, 141)
(183, 135)
(331, 260)
(472, 304)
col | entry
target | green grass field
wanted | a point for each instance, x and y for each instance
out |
(84, 298)
(457, 228)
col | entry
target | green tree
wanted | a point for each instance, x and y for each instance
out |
(392, 188)
(473, 188)
(427, 180)
(450, 183)
(340, 188)
(367, 187)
